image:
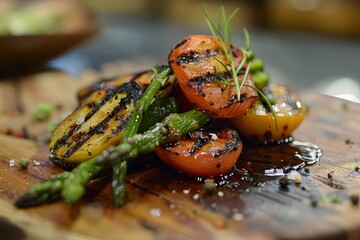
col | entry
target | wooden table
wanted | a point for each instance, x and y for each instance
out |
(162, 204)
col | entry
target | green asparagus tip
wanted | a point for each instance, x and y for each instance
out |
(25, 201)
(31, 199)
(159, 68)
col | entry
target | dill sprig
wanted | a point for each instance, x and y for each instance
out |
(222, 33)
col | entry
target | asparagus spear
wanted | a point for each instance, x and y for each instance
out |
(75, 181)
(120, 169)
(118, 183)
(71, 185)
(169, 130)
(156, 112)
(47, 191)
(161, 76)
(72, 189)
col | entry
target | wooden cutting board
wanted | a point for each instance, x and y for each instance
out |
(162, 204)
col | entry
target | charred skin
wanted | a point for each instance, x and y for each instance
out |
(97, 123)
(105, 107)
(142, 78)
(203, 153)
(196, 62)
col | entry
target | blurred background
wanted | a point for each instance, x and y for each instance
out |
(311, 44)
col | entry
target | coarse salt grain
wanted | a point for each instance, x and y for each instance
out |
(213, 136)
(36, 163)
(186, 191)
(12, 163)
(196, 196)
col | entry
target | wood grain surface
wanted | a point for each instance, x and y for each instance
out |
(163, 204)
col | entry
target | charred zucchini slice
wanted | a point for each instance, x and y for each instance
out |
(114, 83)
(142, 78)
(97, 123)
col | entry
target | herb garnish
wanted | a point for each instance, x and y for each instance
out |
(222, 33)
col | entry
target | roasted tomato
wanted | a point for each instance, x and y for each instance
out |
(197, 62)
(203, 153)
(258, 123)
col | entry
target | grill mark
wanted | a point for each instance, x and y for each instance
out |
(230, 145)
(199, 143)
(84, 137)
(133, 90)
(233, 100)
(64, 165)
(94, 108)
(199, 81)
(124, 122)
(201, 140)
(179, 44)
(100, 84)
(193, 57)
(230, 101)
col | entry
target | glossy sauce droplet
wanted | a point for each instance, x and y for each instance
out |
(275, 160)
(309, 153)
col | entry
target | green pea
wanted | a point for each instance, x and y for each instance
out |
(209, 186)
(24, 163)
(42, 111)
(261, 79)
(257, 64)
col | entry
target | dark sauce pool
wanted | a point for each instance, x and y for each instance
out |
(278, 159)
(260, 163)
(252, 184)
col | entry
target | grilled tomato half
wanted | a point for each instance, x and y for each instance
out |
(198, 63)
(203, 153)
